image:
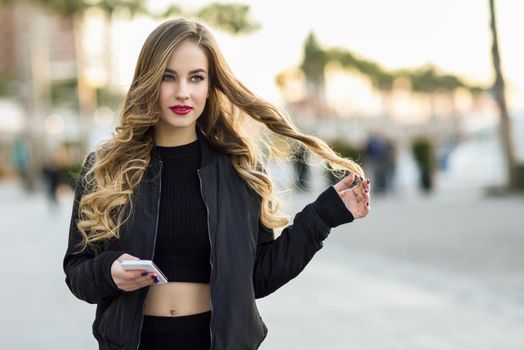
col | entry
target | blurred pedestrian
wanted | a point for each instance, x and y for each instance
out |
(390, 160)
(179, 184)
(51, 175)
(377, 155)
(20, 157)
(423, 153)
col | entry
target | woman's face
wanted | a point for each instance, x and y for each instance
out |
(184, 90)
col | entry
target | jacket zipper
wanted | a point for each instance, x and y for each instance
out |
(154, 246)
(210, 261)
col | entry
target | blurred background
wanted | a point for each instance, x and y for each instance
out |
(427, 96)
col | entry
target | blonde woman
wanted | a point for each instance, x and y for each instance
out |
(179, 184)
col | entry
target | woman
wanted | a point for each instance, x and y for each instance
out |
(179, 184)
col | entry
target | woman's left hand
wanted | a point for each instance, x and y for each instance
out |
(356, 198)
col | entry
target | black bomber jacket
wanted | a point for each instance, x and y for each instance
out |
(247, 262)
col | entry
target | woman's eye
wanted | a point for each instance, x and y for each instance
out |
(197, 78)
(168, 77)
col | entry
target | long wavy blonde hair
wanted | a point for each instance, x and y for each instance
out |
(120, 162)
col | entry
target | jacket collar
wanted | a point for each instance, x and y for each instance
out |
(208, 153)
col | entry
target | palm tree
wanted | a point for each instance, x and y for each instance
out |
(426, 81)
(500, 97)
(313, 65)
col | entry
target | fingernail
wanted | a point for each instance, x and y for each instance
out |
(367, 204)
(361, 178)
(366, 191)
(368, 180)
(155, 279)
(144, 273)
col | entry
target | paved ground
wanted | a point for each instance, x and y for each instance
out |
(443, 272)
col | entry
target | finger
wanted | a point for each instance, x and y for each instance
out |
(345, 183)
(364, 183)
(366, 210)
(141, 273)
(152, 279)
(362, 189)
(368, 191)
(149, 279)
(126, 256)
(140, 283)
(366, 198)
(132, 275)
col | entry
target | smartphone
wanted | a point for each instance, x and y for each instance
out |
(145, 265)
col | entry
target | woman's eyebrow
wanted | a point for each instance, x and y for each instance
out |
(198, 70)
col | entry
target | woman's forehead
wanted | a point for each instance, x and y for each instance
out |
(187, 57)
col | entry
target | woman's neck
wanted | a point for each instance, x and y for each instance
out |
(175, 137)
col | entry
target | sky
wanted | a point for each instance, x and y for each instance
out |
(453, 35)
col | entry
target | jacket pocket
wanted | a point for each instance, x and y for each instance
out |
(120, 322)
(107, 327)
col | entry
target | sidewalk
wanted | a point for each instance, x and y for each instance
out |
(443, 272)
(439, 272)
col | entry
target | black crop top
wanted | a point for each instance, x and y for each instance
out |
(182, 246)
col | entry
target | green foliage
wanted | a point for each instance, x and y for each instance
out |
(428, 80)
(170, 11)
(66, 8)
(314, 61)
(134, 7)
(64, 92)
(425, 79)
(476, 90)
(69, 8)
(109, 98)
(233, 18)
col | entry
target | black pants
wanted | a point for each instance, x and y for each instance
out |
(189, 332)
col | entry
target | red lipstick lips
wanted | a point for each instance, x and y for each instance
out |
(181, 109)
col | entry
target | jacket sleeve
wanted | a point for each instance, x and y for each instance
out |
(88, 275)
(280, 260)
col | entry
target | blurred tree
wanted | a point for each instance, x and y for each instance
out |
(426, 81)
(498, 90)
(232, 18)
(313, 65)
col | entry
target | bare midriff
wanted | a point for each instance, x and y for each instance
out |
(177, 299)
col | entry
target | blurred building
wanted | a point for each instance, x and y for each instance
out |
(37, 59)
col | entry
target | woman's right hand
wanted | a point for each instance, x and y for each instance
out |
(132, 279)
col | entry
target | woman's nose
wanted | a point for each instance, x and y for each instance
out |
(182, 92)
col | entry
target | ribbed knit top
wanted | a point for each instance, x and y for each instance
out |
(182, 246)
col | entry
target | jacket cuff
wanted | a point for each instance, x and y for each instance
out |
(106, 261)
(331, 209)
